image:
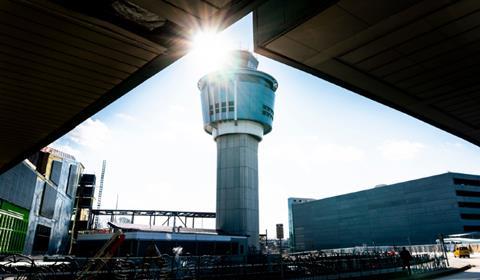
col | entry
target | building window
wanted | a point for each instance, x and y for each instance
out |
(72, 180)
(470, 216)
(468, 193)
(222, 107)
(55, 171)
(267, 111)
(471, 228)
(469, 204)
(251, 79)
(84, 214)
(468, 182)
(41, 239)
(47, 204)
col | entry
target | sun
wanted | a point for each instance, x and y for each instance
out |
(209, 50)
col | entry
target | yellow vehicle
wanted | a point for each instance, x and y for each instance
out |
(462, 252)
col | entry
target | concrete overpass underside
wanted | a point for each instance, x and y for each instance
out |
(61, 61)
(420, 57)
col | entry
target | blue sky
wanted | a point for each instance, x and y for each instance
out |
(325, 141)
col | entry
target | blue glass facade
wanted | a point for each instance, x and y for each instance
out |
(241, 94)
(412, 212)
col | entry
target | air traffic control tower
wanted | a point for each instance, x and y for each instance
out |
(237, 106)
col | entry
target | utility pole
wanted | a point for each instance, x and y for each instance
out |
(100, 190)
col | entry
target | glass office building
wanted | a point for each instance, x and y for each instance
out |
(412, 212)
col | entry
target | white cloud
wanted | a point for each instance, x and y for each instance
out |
(125, 117)
(91, 133)
(400, 149)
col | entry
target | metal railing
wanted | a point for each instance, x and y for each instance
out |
(313, 264)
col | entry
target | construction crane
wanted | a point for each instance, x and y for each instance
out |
(100, 190)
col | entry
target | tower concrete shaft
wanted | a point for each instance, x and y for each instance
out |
(237, 107)
(237, 185)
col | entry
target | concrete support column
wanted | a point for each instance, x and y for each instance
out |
(237, 185)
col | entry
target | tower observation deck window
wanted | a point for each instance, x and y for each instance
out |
(222, 107)
(267, 111)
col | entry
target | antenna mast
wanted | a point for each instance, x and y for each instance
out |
(100, 189)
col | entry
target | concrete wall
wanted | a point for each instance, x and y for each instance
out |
(237, 186)
(413, 212)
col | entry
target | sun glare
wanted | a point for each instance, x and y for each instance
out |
(209, 50)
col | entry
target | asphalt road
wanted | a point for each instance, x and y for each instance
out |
(472, 273)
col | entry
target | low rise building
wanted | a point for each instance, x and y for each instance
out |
(412, 212)
(138, 238)
(36, 202)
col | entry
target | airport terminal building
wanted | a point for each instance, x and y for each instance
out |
(412, 212)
